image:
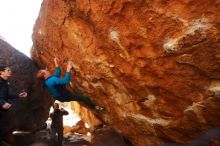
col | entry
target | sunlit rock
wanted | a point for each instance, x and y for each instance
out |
(151, 64)
(106, 136)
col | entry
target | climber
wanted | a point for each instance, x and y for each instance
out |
(5, 95)
(57, 123)
(57, 86)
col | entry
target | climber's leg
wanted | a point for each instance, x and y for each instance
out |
(86, 100)
(83, 99)
(67, 96)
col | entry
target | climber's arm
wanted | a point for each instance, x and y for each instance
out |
(61, 81)
(58, 71)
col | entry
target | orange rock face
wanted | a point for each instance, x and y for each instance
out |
(154, 65)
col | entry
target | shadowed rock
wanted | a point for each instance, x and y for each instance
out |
(29, 113)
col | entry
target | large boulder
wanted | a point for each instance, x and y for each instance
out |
(154, 64)
(32, 112)
(105, 136)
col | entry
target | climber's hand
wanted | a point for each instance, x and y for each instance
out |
(56, 62)
(69, 66)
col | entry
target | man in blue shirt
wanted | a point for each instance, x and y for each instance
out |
(57, 86)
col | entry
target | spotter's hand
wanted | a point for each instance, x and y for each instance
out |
(23, 94)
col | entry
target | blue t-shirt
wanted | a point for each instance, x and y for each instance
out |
(54, 81)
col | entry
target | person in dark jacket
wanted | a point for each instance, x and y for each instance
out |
(5, 95)
(57, 123)
(57, 86)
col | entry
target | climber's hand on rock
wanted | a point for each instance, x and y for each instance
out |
(69, 66)
(56, 62)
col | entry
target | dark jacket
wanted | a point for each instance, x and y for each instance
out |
(57, 118)
(5, 95)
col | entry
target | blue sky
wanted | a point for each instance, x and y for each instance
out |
(17, 21)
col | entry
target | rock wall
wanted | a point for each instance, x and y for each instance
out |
(86, 115)
(32, 112)
(154, 64)
(106, 136)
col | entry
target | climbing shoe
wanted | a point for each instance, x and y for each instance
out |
(99, 108)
